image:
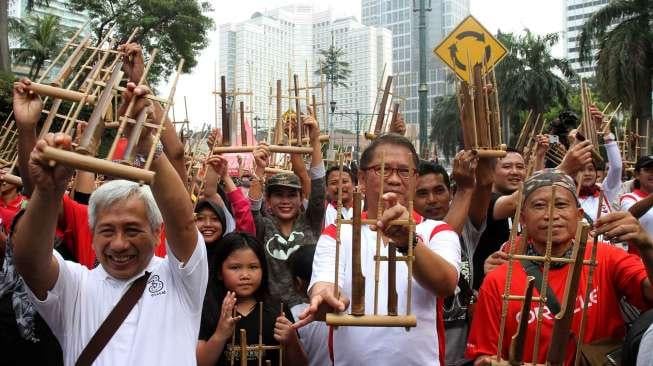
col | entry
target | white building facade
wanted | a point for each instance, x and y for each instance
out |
(575, 14)
(272, 46)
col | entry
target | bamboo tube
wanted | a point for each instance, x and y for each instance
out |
(516, 352)
(306, 140)
(545, 273)
(337, 320)
(99, 166)
(336, 281)
(259, 356)
(226, 132)
(55, 92)
(12, 179)
(135, 135)
(411, 237)
(380, 118)
(379, 213)
(277, 170)
(298, 117)
(358, 280)
(487, 154)
(72, 61)
(243, 347)
(273, 148)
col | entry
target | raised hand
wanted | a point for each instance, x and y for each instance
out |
(261, 156)
(310, 123)
(27, 104)
(133, 63)
(215, 135)
(398, 125)
(542, 144)
(398, 234)
(227, 321)
(577, 157)
(45, 177)
(464, 169)
(621, 226)
(322, 301)
(219, 164)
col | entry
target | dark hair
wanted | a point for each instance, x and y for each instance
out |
(429, 167)
(387, 139)
(301, 262)
(216, 291)
(336, 168)
(211, 205)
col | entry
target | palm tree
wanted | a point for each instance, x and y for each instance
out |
(5, 62)
(333, 67)
(623, 32)
(446, 131)
(527, 76)
(40, 38)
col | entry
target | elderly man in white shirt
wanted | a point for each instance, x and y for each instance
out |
(162, 328)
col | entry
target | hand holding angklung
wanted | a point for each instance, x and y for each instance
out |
(322, 302)
(46, 177)
(219, 164)
(284, 333)
(464, 169)
(261, 155)
(27, 104)
(398, 234)
(133, 63)
(621, 226)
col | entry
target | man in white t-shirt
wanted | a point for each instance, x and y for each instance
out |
(126, 224)
(435, 270)
(334, 180)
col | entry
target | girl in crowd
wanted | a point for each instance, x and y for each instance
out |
(238, 285)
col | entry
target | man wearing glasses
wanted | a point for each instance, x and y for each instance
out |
(435, 270)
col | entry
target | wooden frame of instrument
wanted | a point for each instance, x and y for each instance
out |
(357, 315)
(243, 348)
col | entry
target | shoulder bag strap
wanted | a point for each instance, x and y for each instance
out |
(113, 321)
(533, 270)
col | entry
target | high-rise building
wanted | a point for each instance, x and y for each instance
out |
(576, 12)
(399, 17)
(256, 52)
(69, 18)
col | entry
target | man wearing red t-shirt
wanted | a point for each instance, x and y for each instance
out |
(617, 274)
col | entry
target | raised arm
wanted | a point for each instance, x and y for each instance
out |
(33, 237)
(27, 112)
(239, 204)
(315, 209)
(464, 170)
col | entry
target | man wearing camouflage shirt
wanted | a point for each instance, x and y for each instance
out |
(287, 226)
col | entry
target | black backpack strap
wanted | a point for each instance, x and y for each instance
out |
(533, 270)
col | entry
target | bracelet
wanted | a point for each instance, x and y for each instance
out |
(404, 250)
(140, 159)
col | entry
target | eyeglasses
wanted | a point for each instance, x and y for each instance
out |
(387, 171)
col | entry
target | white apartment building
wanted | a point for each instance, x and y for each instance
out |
(257, 52)
(575, 13)
(59, 8)
(398, 16)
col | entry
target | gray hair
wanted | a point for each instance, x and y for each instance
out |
(116, 191)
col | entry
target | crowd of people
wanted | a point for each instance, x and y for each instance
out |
(110, 272)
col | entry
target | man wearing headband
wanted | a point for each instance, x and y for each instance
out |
(616, 275)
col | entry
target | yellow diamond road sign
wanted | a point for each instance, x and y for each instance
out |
(467, 45)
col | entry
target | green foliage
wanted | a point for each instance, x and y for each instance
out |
(333, 67)
(6, 85)
(40, 39)
(178, 28)
(623, 33)
(446, 131)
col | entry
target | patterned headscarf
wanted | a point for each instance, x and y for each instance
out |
(547, 178)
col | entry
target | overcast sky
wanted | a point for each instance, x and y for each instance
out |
(508, 15)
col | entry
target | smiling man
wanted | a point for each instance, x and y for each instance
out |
(617, 274)
(125, 220)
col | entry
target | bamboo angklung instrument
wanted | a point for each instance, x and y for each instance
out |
(244, 349)
(358, 317)
(226, 131)
(516, 352)
(563, 320)
(298, 118)
(380, 117)
(476, 116)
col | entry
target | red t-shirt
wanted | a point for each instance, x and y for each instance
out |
(617, 274)
(78, 237)
(9, 210)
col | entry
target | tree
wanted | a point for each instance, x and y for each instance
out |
(5, 60)
(40, 38)
(178, 28)
(527, 76)
(447, 131)
(623, 32)
(333, 67)
(6, 85)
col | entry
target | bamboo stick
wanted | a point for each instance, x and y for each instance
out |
(273, 148)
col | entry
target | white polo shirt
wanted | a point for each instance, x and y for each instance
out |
(331, 213)
(162, 327)
(358, 346)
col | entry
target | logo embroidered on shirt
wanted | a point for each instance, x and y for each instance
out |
(156, 286)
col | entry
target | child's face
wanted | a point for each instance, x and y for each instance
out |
(241, 273)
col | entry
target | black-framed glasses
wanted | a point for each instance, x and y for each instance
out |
(402, 172)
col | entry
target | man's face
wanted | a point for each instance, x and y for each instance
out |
(398, 166)
(123, 239)
(645, 177)
(588, 175)
(209, 225)
(334, 180)
(566, 213)
(284, 203)
(432, 196)
(509, 173)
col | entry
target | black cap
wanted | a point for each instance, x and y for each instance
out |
(643, 161)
